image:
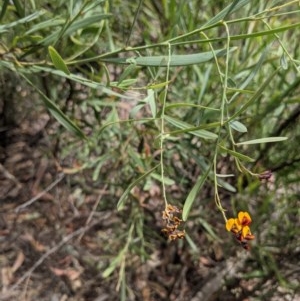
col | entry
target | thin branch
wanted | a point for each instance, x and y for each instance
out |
(93, 211)
(48, 253)
(37, 197)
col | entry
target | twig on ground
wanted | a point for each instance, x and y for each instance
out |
(37, 197)
(93, 210)
(48, 253)
(9, 176)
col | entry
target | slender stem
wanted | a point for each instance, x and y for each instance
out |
(162, 128)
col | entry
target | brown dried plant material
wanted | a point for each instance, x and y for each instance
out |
(7, 273)
(34, 243)
(172, 221)
(18, 262)
(266, 175)
(6, 278)
(73, 275)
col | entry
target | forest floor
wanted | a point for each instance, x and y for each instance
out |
(55, 242)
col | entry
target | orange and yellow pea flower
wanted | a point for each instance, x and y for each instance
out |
(240, 223)
(244, 218)
(240, 228)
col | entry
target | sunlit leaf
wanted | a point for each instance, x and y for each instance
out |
(226, 185)
(238, 126)
(158, 86)
(167, 180)
(193, 194)
(263, 140)
(188, 128)
(175, 60)
(57, 60)
(236, 154)
(283, 62)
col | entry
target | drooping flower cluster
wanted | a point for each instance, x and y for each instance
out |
(266, 176)
(240, 228)
(172, 221)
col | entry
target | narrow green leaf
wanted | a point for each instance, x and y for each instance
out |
(184, 104)
(188, 128)
(57, 60)
(236, 154)
(26, 40)
(226, 11)
(53, 22)
(191, 243)
(113, 265)
(100, 161)
(263, 140)
(122, 199)
(167, 180)
(128, 70)
(252, 99)
(152, 102)
(79, 24)
(226, 185)
(136, 158)
(253, 72)
(76, 78)
(3, 10)
(19, 8)
(238, 126)
(23, 20)
(57, 113)
(225, 175)
(158, 86)
(193, 193)
(283, 62)
(175, 60)
(86, 22)
(241, 36)
(209, 229)
(136, 109)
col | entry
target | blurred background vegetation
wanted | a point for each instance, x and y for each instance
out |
(112, 109)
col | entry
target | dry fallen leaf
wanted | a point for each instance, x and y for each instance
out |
(35, 244)
(6, 277)
(18, 262)
(7, 273)
(72, 274)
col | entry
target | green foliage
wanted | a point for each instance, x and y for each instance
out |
(168, 84)
(57, 60)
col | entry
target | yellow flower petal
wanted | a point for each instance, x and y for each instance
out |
(229, 224)
(233, 225)
(238, 226)
(245, 231)
(244, 218)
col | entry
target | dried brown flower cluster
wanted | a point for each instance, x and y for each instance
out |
(266, 176)
(170, 216)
